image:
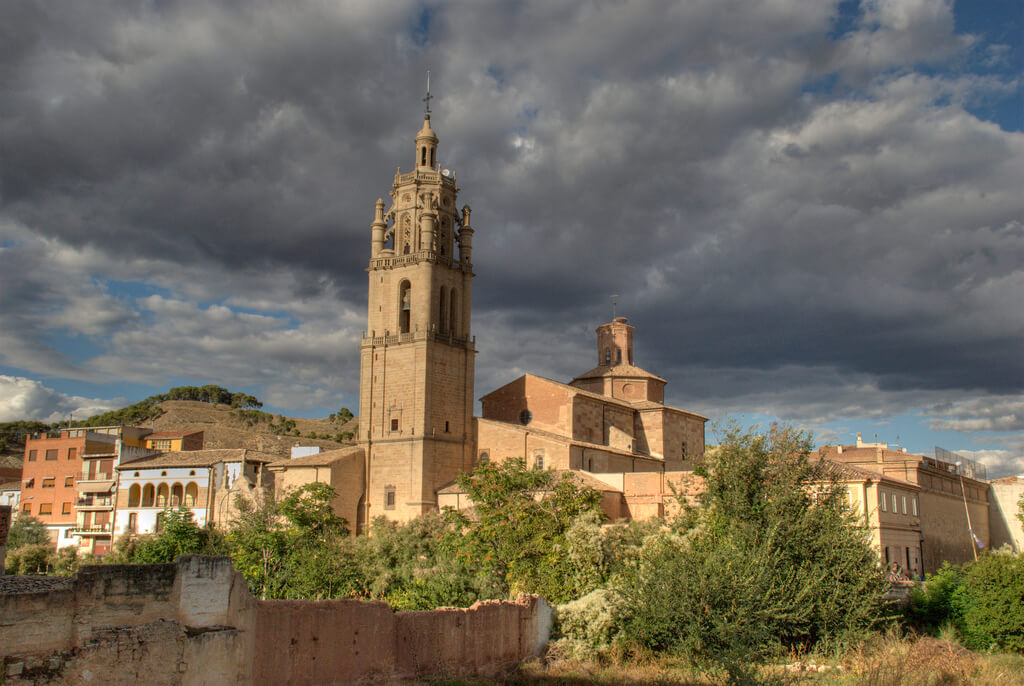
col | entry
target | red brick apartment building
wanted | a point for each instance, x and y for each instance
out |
(49, 476)
(69, 480)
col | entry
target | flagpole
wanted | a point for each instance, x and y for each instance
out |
(967, 511)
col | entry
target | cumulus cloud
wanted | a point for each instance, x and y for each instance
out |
(798, 217)
(1004, 413)
(22, 398)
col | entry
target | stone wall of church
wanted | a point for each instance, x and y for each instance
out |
(501, 441)
(194, 622)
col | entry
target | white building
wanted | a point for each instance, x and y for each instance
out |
(203, 481)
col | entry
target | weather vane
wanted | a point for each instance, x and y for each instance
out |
(615, 299)
(429, 96)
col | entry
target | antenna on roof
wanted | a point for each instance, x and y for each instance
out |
(429, 96)
(615, 301)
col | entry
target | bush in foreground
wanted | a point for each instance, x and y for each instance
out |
(770, 561)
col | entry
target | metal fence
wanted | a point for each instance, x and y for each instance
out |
(958, 464)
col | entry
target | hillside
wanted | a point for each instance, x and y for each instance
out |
(225, 427)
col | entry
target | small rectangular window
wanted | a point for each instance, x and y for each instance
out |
(65, 508)
(51, 455)
(882, 501)
(49, 481)
(72, 453)
(894, 510)
(29, 483)
(32, 455)
(45, 508)
(27, 508)
(389, 498)
(394, 425)
(69, 481)
(904, 509)
(913, 505)
(540, 462)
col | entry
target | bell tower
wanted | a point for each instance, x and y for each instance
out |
(417, 354)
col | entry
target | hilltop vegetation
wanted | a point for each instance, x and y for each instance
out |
(148, 409)
(228, 420)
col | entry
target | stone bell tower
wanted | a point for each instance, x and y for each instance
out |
(417, 355)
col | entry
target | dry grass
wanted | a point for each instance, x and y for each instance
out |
(888, 660)
(222, 429)
(895, 661)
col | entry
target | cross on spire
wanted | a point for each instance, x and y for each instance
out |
(429, 96)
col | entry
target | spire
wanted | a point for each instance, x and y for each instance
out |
(426, 110)
(426, 139)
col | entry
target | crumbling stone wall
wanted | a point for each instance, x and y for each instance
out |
(194, 622)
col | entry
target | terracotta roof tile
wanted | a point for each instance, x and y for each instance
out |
(197, 458)
(626, 371)
(323, 459)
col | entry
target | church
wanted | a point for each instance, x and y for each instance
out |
(609, 427)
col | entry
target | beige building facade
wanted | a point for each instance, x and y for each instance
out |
(1006, 496)
(343, 470)
(952, 505)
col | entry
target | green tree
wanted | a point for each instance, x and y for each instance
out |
(34, 558)
(288, 548)
(179, 535)
(517, 535)
(27, 530)
(769, 561)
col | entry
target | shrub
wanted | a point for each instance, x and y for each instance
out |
(592, 622)
(760, 566)
(30, 559)
(930, 604)
(988, 604)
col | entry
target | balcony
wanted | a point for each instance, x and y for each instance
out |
(90, 502)
(94, 530)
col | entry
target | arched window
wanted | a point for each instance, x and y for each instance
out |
(607, 355)
(177, 495)
(148, 494)
(134, 495)
(618, 356)
(191, 495)
(431, 157)
(442, 319)
(423, 156)
(453, 313)
(162, 493)
(404, 306)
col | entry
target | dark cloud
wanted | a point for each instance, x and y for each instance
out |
(763, 195)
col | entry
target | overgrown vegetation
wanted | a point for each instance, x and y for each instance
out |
(983, 602)
(767, 565)
(762, 566)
